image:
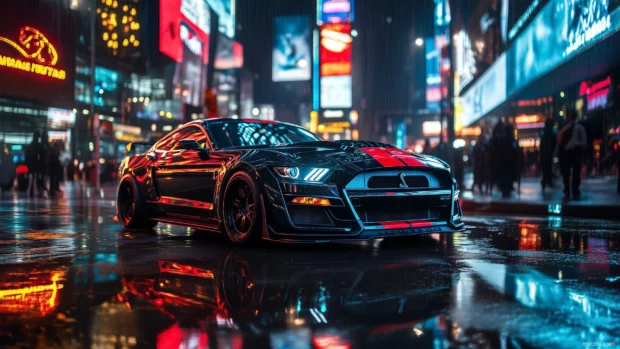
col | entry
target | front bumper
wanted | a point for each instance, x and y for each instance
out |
(341, 221)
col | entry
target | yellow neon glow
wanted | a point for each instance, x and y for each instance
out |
(132, 38)
(311, 201)
(125, 42)
(30, 37)
(125, 8)
(114, 36)
(133, 12)
(106, 36)
(33, 45)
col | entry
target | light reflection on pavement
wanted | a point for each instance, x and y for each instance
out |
(71, 277)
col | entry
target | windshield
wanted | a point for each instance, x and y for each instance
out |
(232, 134)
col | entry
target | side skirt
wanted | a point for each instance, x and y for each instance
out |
(188, 223)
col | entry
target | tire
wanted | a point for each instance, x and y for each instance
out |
(131, 208)
(242, 209)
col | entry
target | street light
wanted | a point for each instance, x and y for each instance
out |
(419, 42)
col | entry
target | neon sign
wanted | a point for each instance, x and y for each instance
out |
(597, 93)
(39, 55)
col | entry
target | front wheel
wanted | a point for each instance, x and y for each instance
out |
(132, 212)
(242, 209)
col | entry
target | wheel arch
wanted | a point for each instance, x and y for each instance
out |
(223, 182)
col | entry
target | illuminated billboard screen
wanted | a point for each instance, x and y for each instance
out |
(336, 11)
(228, 54)
(37, 57)
(559, 32)
(225, 10)
(486, 94)
(292, 54)
(433, 78)
(335, 49)
(184, 37)
(336, 92)
(184, 23)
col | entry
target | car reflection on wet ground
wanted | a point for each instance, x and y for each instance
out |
(72, 278)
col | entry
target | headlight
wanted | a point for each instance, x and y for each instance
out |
(287, 172)
(306, 174)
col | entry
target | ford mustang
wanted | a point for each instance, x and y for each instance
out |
(256, 179)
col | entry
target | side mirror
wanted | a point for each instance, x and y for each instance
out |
(189, 144)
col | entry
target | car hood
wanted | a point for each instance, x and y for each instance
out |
(357, 155)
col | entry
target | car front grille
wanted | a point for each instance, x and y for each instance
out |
(387, 209)
(390, 182)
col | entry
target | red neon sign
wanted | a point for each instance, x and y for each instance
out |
(39, 56)
(586, 88)
(335, 49)
(597, 93)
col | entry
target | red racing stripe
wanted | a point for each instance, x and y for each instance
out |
(405, 225)
(407, 158)
(383, 157)
(420, 224)
(395, 225)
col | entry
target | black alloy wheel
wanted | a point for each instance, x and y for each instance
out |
(132, 212)
(241, 209)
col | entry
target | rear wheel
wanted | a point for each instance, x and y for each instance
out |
(131, 208)
(242, 210)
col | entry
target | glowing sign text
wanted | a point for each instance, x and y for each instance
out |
(39, 54)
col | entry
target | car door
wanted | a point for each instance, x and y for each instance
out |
(186, 176)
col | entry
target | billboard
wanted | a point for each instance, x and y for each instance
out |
(335, 49)
(184, 25)
(555, 35)
(226, 13)
(292, 55)
(37, 56)
(184, 37)
(335, 66)
(485, 94)
(433, 78)
(228, 54)
(336, 92)
(336, 11)
(559, 32)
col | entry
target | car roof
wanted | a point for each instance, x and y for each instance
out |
(269, 122)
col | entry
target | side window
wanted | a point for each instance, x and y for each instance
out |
(191, 132)
(165, 143)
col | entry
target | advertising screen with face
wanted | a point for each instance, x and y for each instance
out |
(292, 55)
(561, 30)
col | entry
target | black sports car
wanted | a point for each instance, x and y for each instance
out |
(258, 179)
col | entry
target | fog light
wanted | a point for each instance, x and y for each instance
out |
(311, 201)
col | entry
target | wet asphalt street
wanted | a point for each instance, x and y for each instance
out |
(73, 278)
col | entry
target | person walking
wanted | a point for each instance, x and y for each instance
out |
(548, 143)
(480, 156)
(53, 165)
(572, 142)
(496, 156)
(32, 157)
